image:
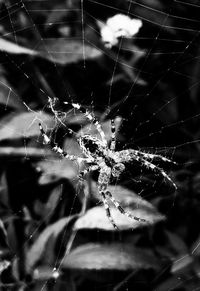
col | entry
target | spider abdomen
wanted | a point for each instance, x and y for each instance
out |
(104, 177)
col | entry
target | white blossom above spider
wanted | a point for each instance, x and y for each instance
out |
(99, 155)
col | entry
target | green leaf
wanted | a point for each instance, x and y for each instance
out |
(4, 265)
(11, 47)
(126, 197)
(7, 95)
(131, 202)
(72, 147)
(44, 273)
(3, 235)
(61, 51)
(96, 218)
(176, 243)
(54, 170)
(114, 256)
(49, 235)
(195, 248)
(67, 51)
(24, 125)
(46, 210)
(10, 152)
(182, 264)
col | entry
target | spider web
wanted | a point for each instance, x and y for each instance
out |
(139, 78)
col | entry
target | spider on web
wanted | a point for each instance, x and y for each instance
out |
(99, 155)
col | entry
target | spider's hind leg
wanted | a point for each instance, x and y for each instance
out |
(107, 208)
(147, 161)
(117, 205)
(154, 157)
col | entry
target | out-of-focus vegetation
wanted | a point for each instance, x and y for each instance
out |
(54, 231)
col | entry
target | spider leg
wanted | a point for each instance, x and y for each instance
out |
(56, 148)
(155, 168)
(107, 208)
(83, 148)
(103, 180)
(89, 116)
(130, 154)
(126, 156)
(117, 205)
(151, 157)
(45, 137)
(89, 169)
(113, 135)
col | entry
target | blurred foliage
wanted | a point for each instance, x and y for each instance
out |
(54, 231)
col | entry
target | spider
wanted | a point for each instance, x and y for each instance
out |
(99, 155)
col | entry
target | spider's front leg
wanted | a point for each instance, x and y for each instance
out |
(56, 148)
(92, 118)
(89, 169)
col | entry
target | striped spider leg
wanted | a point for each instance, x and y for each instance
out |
(113, 136)
(107, 194)
(103, 182)
(147, 160)
(89, 169)
(92, 118)
(56, 148)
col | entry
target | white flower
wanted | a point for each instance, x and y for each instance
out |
(108, 36)
(117, 26)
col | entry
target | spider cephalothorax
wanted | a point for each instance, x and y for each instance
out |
(91, 144)
(118, 169)
(99, 156)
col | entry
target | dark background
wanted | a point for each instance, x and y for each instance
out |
(152, 82)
